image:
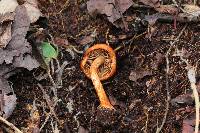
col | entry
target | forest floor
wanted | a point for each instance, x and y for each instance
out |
(151, 80)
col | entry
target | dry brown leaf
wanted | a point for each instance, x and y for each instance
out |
(25, 61)
(18, 44)
(7, 98)
(7, 17)
(18, 49)
(5, 34)
(61, 41)
(188, 126)
(5, 28)
(86, 40)
(192, 9)
(182, 99)
(32, 10)
(170, 9)
(152, 3)
(139, 74)
(7, 6)
(159, 58)
(108, 7)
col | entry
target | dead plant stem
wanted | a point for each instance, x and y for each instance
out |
(49, 103)
(10, 125)
(167, 79)
(191, 73)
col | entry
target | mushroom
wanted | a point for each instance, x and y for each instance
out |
(99, 63)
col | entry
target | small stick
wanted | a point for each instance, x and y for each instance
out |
(49, 103)
(146, 110)
(191, 73)
(10, 125)
(45, 121)
(167, 79)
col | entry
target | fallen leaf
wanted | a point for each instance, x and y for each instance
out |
(18, 49)
(152, 3)
(7, 17)
(86, 40)
(61, 42)
(32, 10)
(188, 126)
(26, 61)
(159, 58)
(192, 9)
(108, 7)
(5, 70)
(18, 44)
(182, 99)
(7, 99)
(7, 6)
(139, 74)
(5, 28)
(170, 9)
(5, 34)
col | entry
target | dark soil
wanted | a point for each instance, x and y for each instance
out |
(135, 101)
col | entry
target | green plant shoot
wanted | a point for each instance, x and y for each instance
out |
(48, 52)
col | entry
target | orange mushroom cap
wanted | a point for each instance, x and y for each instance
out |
(108, 68)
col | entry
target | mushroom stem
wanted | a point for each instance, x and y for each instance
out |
(104, 101)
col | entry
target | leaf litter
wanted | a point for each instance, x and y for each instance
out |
(22, 57)
(15, 50)
(109, 8)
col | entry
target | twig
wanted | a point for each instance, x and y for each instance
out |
(181, 17)
(47, 118)
(45, 121)
(10, 125)
(191, 73)
(167, 79)
(146, 110)
(59, 73)
(49, 103)
(51, 78)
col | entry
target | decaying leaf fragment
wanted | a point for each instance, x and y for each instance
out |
(139, 74)
(18, 45)
(5, 28)
(152, 3)
(192, 9)
(187, 126)
(7, 6)
(32, 10)
(170, 9)
(5, 34)
(7, 98)
(111, 8)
